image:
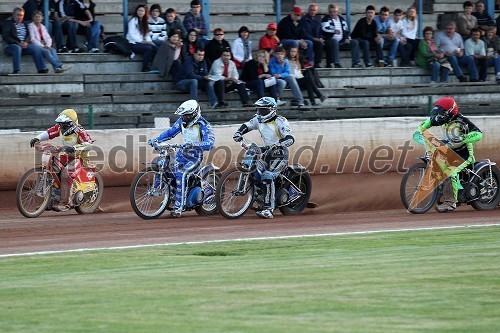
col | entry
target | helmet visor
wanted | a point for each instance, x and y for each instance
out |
(262, 111)
(66, 127)
(186, 118)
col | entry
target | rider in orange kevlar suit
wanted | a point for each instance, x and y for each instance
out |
(72, 134)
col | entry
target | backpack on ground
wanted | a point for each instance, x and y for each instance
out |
(117, 45)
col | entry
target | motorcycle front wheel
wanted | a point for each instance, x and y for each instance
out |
(209, 207)
(489, 185)
(145, 202)
(413, 188)
(234, 193)
(303, 183)
(94, 198)
(32, 197)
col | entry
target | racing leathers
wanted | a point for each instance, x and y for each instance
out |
(196, 138)
(276, 131)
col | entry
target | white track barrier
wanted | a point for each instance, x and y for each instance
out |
(336, 146)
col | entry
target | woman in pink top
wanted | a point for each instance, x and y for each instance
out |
(40, 37)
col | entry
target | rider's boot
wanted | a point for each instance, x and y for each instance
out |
(447, 206)
(449, 203)
(265, 214)
(176, 212)
(61, 207)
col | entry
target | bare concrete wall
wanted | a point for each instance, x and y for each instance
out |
(335, 146)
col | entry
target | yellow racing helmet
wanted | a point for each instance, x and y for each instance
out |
(67, 116)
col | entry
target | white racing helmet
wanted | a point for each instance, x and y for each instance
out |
(190, 112)
(266, 109)
(68, 121)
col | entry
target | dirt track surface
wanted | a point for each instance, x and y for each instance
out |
(347, 203)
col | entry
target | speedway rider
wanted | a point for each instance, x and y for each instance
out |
(276, 132)
(461, 133)
(72, 134)
(197, 136)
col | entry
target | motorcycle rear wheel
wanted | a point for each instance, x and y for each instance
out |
(304, 184)
(231, 204)
(209, 207)
(28, 202)
(92, 204)
(409, 186)
(144, 204)
(491, 198)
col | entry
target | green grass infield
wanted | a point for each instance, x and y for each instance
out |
(413, 281)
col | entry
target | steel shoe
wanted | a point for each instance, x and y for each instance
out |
(176, 213)
(265, 214)
(446, 207)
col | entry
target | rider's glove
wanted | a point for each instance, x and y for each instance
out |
(418, 137)
(152, 142)
(187, 145)
(69, 150)
(33, 141)
(237, 136)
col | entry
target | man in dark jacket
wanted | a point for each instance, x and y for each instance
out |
(291, 34)
(214, 48)
(16, 37)
(311, 26)
(365, 33)
(193, 73)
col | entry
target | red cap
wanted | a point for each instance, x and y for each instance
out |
(297, 10)
(272, 26)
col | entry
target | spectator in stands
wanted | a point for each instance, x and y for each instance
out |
(54, 27)
(41, 38)
(386, 38)
(169, 54)
(270, 41)
(291, 33)
(16, 38)
(430, 57)
(280, 69)
(452, 45)
(476, 48)
(173, 22)
(304, 82)
(365, 32)
(193, 74)
(255, 71)
(466, 21)
(91, 29)
(72, 14)
(139, 38)
(225, 77)
(484, 21)
(492, 42)
(213, 50)
(336, 33)
(194, 19)
(157, 26)
(310, 24)
(191, 44)
(408, 42)
(397, 22)
(242, 48)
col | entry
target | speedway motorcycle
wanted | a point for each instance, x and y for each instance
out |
(240, 188)
(39, 188)
(149, 199)
(421, 186)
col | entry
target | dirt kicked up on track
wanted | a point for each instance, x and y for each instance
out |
(346, 203)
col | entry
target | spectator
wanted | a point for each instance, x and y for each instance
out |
(311, 26)
(270, 41)
(365, 32)
(255, 71)
(193, 73)
(225, 77)
(191, 44)
(195, 20)
(72, 14)
(139, 38)
(91, 28)
(430, 57)
(41, 38)
(54, 24)
(484, 21)
(16, 37)
(242, 48)
(169, 54)
(386, 38)
(173, 22)
(291, 34)
(397, 22)
(304, 82)
(498, 25)
(337, 35)
(408, 41)
(492, 42)
(213, 49)
(280, 69)
(452, 45)
(157, 26)
(476, 48)
(466, 21)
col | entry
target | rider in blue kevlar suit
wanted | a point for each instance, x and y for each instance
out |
(197, 136)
